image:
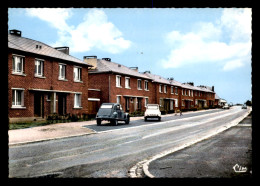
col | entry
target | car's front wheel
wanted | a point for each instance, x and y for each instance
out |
(159, 118)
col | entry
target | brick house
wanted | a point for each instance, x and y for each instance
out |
(167, 92)
(120, 84)
(43, 80)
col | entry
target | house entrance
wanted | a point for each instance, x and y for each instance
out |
(38, 105)
(62, 104)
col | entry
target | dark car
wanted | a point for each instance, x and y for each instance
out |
(112, 112)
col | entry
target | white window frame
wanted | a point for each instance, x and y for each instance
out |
(172, 90)
(118, 99)
(176, 102)
(61, 71)
(189, 92)
(196, 102)
(171, 104)
(146, 101)
(165, 89)
(176, 90)
(146, 85)
(127, 82)
(38, 62)
(14, 98)
(15, 64)
(118, 81)
(183, 102)
(77, 74)
(77, 100)
(160, 88)
(139, 85)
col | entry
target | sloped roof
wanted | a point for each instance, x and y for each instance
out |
(29, 45)
(160, 79)
(108, 66)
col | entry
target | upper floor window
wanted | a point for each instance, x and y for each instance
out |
(127, 82)
(77, 73)
(172, 90)
(62, 71)
(146, 85)
(139, 84)
(160, 88)
(118, 81)
(165, 88)
(18, 64)
(38, 67)
(176, 90)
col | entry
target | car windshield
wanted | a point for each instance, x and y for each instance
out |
(154, 107)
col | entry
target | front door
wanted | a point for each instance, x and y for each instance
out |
(38, 104)
(62, 104)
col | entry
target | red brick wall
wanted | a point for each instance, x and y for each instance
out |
(51, 71)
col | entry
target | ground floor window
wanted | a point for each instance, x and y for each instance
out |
(171, 104)
(18, 98)
(77, 100)
(118, 99)
(145, 101)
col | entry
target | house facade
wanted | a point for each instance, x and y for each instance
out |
(43, 80)
(120, 84)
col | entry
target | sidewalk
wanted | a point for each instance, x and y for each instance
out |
(59, 130)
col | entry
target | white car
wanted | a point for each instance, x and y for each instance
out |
(152, 111)
(225, 106)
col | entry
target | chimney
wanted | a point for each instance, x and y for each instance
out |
(147, 72)
(15, 32)
(106, 59)
(190, 83)
(134, 68)
(213, 89)
(92, 60)
(64, 49)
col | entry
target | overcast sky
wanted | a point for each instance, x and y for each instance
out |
(206, 46)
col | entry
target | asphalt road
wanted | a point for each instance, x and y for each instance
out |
(114, 149)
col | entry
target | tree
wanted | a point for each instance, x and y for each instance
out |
(248, 103)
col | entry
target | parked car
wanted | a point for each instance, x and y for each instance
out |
(225, 106)
(244, 107)
(152, 111)
(112, 112)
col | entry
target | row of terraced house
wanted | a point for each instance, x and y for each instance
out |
(43, 81)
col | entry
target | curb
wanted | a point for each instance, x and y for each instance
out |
(144, 164)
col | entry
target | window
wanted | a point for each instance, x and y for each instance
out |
(182, 91)
(176, 102)
(183, 103)
(189, 92)
(161, 102)
(172, 91)
(18, 64)
(195, 93)
(118, 81)
(48, 97)
(196, 102)
(171, 104)
(62, 71)
(139, 84)
(145, 102)
(146, 85)
(127, 82)
(77, 101)
(176, 90)
(165, 88)
(77, 74)
(118, 99)
(18, 98)
(160, 88)
(38, 68)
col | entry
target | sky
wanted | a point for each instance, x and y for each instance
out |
(206, 46)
